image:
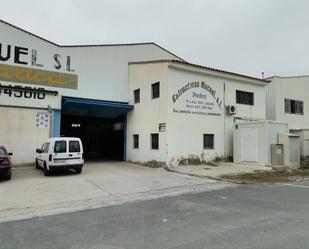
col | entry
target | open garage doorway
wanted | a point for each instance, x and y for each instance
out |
(100, 125)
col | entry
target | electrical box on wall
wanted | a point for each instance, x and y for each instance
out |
(291, 152)
(277, 154)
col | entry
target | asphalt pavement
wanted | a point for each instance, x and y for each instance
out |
(248, 216)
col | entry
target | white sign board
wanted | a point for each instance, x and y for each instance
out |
(25, 96)
(41, 120)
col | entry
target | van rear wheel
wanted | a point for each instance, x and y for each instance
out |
(78, 171)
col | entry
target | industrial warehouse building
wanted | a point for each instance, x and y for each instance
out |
(184, 113)
(51, 90)
(136, 102)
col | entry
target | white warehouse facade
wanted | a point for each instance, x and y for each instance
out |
(182, 114)
(49, 90)
(135, 102)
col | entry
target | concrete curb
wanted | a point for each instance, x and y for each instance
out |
(194, 175)
(25, 165)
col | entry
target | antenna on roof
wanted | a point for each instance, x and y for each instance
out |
(262, 75)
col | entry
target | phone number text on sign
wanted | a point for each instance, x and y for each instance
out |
(22, 92)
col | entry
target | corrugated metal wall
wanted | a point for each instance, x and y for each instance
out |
(102, 70)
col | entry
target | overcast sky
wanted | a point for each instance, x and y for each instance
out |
(243, 36)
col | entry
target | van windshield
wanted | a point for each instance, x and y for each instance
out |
(60, 147)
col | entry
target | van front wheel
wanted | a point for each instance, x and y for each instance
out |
(37, 166)
(46, 171)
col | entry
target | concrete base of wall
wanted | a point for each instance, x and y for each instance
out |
(304, 162)
(20, 134)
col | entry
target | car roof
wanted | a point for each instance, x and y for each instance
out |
(63, 138)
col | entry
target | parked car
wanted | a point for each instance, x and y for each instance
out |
(5, 163)
(60, 153)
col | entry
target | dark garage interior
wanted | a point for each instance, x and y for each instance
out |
(102, 138)
(99, 124)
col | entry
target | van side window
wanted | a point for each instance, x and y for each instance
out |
(60, 147)
(74, 146)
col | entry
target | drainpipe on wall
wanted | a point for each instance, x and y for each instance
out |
(51, 121)
(224, 113)
(125, 137)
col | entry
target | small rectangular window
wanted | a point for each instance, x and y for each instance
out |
(155, 141)
(245, 98)
(136, 96)
(60, 147)
(209, 141)
(74, 146)
(135, 141)
(292, 106)
(155, 90)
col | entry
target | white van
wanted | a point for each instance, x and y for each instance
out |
(60, 153)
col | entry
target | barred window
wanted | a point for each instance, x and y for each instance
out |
(208, 141)
(246, 98)
(292, 106)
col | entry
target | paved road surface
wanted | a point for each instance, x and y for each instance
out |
(249, 216)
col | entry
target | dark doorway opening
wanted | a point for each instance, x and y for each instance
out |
(102, 138)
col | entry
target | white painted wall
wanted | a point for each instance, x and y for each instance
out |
(19, 134)
(296, 88)
(102, 70)
(183, 138)
(291, 150)
(304, 141)
(248, 112)
(102, 74)
(147, 114)
(185, 130)
(271, 103)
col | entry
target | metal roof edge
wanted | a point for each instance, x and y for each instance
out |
(151, 61)
(107, 45)
(169, 52)
(29, 33)
(287, 77)
(89, 45)
(223, 72)
(203, 68)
